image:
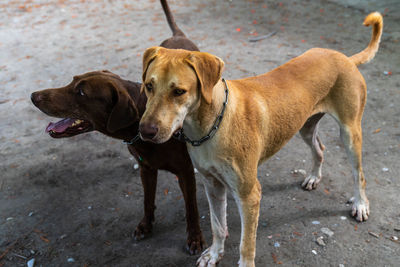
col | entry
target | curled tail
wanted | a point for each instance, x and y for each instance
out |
(375, 19)
(171, 21)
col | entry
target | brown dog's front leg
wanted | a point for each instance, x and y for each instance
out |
(149, 182)
(195, 240)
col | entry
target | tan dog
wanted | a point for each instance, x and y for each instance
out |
(184, 89)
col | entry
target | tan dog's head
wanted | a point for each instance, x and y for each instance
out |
(176, 82)
(92, 101)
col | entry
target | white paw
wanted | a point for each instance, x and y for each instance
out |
(311, 182)
(360, 210)
(210, 257)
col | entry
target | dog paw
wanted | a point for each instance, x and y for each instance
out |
(210, 257)
(142, 231)
(195, 244)
(360, 210)
(311, 182)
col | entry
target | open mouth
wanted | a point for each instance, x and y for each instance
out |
(68, 127)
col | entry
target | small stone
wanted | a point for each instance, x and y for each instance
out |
(32, 251)
(314, 252)
(341, 265)
(30, 214)
(384, 169)
(71, 260)
(320, 241)
(195, 170)
(394, 238)
(374, 234)
(277, 245)
(63, 236)
(31, 262)
(327, 231)
(315, 222)
(343, 218)
(267, 174)
(9, 219)
(397, 229)
(136, 166)
(300, 171)
(264, 224)
(89, 207)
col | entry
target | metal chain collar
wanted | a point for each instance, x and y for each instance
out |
(181, 136)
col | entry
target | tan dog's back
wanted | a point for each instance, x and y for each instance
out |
(306, 85)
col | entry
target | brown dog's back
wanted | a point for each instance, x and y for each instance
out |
(178, 39)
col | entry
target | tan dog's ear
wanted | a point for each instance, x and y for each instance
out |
(208, 69)
(124, 112)
(148, 56)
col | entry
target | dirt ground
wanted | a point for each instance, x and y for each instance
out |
(76, 201)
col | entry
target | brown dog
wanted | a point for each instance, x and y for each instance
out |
(104, 102)
(237, 125)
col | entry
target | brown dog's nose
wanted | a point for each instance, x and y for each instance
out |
(148, 130)
(35, 98)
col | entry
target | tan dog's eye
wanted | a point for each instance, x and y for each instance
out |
(149, 87)
(178, 92)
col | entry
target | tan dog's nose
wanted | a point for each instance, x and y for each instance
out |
(148, 130)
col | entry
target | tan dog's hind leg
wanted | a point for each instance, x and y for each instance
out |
(351, 136)
(216, 195)
(309, 133)
(249, 208)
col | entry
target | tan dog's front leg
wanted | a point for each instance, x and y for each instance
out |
(249, 208)
(216, 195)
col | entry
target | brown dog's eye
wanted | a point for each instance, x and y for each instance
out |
(79, 88)
(149, 87)
(179, 92)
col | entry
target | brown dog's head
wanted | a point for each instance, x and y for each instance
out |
(93, 101)
(176, 82)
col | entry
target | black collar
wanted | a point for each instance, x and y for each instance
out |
(181, 136)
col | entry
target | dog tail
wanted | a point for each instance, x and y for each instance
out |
(171, 21)
(375, 19)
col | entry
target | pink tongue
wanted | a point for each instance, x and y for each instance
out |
(59, 126)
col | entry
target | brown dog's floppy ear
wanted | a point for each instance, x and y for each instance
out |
(124, 112)
(208, 69)
(148, 56)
